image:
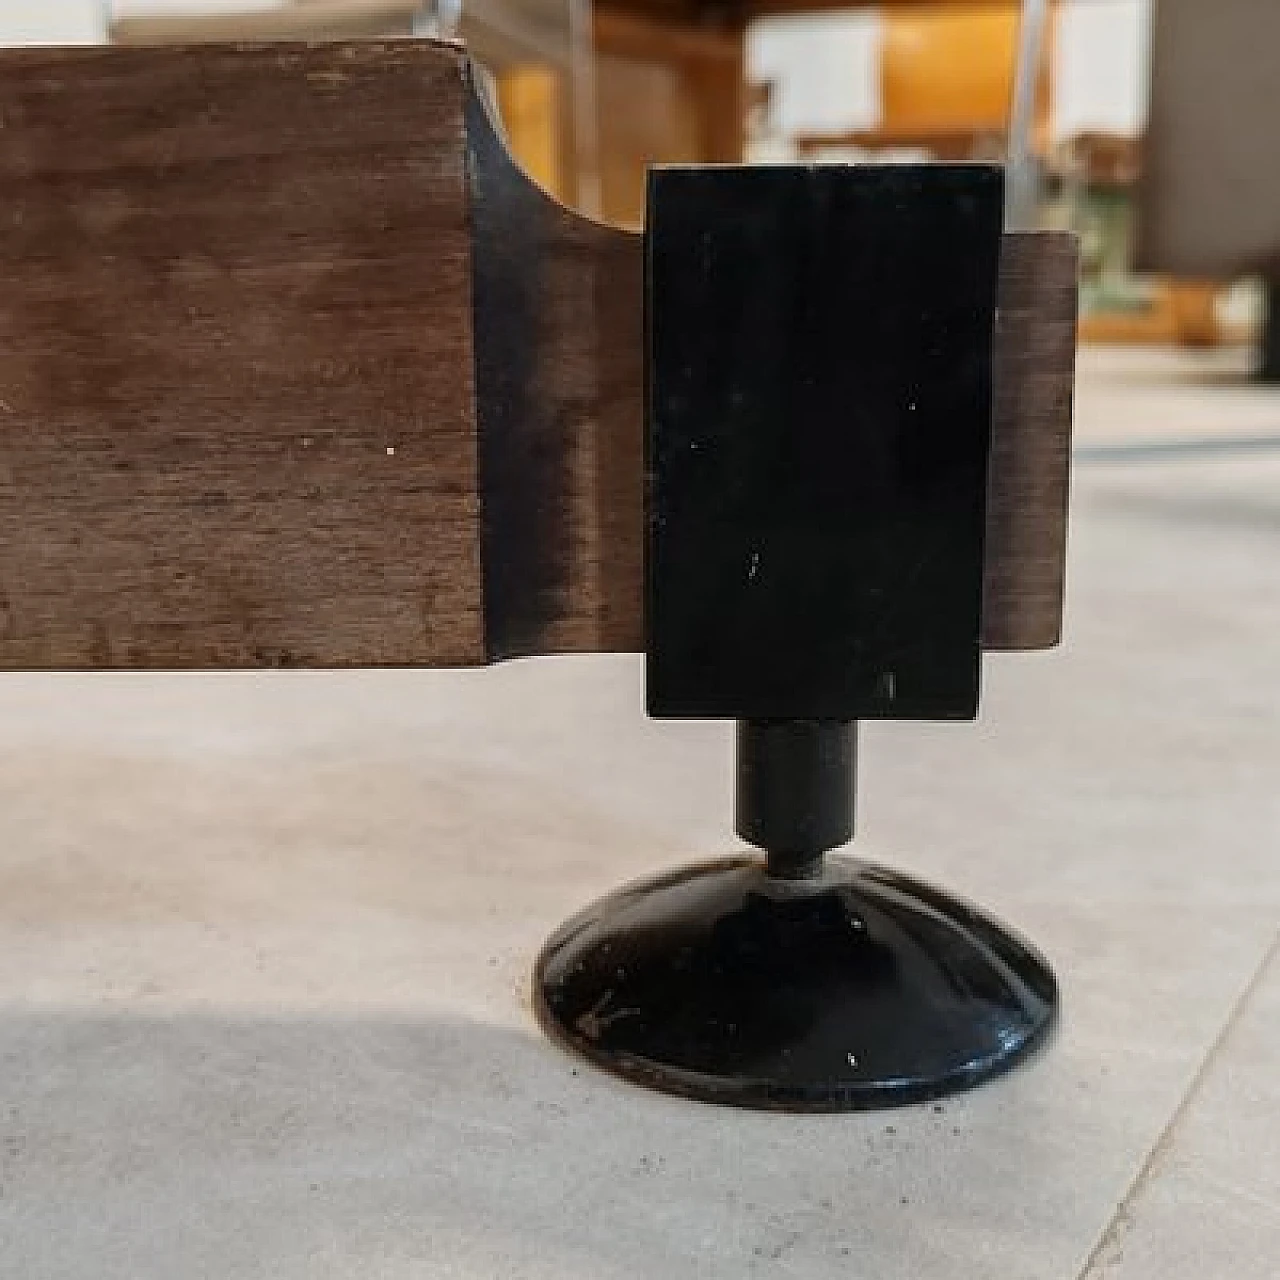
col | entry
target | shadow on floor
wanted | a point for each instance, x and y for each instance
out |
(1193, 449)
(141, 1146)
(1233, 514)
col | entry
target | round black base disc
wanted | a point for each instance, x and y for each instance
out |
(858, 988)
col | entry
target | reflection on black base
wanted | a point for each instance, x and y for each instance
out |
(856, 989)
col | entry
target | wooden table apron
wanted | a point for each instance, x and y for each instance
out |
(296, 368)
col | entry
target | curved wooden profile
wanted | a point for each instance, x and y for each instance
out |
(297, 368)
(559, 354)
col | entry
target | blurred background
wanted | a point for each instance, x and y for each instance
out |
(1147, 131)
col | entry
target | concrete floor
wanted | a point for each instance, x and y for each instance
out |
(264, 943)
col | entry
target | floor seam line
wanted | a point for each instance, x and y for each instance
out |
(1164, 1140)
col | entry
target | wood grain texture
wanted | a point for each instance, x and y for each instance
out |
(1030, 478)
(236, 406)
(296, 367)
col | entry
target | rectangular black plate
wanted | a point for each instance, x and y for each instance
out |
(819, 414)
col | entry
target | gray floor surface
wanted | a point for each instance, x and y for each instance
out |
(265, 941)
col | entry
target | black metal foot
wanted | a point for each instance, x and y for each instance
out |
(853, 988)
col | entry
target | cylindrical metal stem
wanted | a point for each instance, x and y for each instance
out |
(795, 790)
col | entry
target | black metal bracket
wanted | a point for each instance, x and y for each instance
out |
(819, 411)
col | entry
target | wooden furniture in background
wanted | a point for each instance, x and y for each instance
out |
(297, 368)
(947, 84)
(1100, 174)
(668, 92)
(535, 120)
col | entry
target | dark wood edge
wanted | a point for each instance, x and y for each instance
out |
(557, 301)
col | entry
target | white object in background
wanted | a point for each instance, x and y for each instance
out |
(188, 8)
(1103, 55)
(441, 20)
(426, 22)
(52, 22)
(826, 69)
